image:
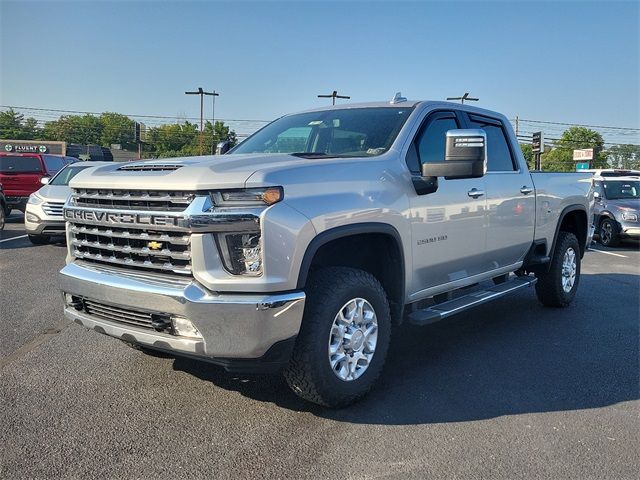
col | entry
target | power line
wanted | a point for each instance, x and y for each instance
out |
(579, 125)
(128, 115)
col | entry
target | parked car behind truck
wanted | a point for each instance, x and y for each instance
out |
(43, 214)
(617, 208)
(21, 174)
(301, 248)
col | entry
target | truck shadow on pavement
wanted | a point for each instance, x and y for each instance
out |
(506, 358)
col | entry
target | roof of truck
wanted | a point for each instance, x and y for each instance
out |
(405, 103)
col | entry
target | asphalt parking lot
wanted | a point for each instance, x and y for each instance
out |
(512, 390)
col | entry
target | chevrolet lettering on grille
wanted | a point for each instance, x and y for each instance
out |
(121, 218)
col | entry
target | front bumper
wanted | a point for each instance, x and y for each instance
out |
(632, 231)
(18, 203)
(38, 222)
(239, 331)
(45, 227)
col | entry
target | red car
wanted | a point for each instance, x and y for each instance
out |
(21, 174)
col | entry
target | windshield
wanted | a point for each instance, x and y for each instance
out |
(66, 174)
(620, 190)
(353, 132)
(18, 164)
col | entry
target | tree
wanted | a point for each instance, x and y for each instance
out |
(83, 129)
(14, 126)
(117, 129)
(624, 156)
(560, 159)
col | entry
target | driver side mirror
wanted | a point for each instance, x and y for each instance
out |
(223, 147)
(465, 156)
(45, 180)
(597, 196)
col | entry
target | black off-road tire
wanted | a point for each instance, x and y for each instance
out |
(612, 239)
(549, 286)
(39, 239)
(309, 373)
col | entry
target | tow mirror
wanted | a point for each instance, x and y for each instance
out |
(223, 147)
(44, 180)
(465, 156)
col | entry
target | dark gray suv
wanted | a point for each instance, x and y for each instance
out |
(617, 208)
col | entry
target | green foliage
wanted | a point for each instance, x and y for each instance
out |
(14, 126)
(560, 159)
(527, 151)
(624, 156)
(178, 140)
(117, 129)
(82, 129)
(169, 140)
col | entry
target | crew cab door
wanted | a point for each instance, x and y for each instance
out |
(448, 225)
(510, 195)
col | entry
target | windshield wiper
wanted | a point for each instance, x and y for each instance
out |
(313, 155)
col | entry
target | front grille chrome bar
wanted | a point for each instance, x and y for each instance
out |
(129, 262)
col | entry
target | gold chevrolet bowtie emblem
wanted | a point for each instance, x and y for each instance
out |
(154, 245)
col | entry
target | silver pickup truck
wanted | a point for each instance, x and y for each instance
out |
(300, 249)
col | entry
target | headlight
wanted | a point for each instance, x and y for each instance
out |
(241, 252)
(248, 197)
(35, 199)
(630, 216)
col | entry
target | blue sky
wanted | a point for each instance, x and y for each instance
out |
(562, 61)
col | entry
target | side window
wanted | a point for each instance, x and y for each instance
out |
(498, 151)
(53, 163)
(429, 146)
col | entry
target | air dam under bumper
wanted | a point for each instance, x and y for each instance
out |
(239, 331)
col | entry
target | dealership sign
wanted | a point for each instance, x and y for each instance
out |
(25, 148)
(30, 146)
(583, 154)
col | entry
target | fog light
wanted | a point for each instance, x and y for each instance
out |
(184, 327)
(32, 218)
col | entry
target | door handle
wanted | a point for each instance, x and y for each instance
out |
(475, 193)
(526, 190)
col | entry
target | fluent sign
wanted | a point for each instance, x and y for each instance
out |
(25, 148)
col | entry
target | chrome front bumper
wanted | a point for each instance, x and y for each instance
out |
(233, 326)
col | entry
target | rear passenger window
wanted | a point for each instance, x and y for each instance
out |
(499, 157)
(431, 141)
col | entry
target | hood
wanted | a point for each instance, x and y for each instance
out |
(54, 193)
(625, 203)
(187, 173)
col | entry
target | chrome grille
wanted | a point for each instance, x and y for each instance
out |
(150, 200)
(137, 248)
(148, 247)
(53, 209)
(116, 314)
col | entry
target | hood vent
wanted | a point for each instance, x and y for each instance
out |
(150, 167)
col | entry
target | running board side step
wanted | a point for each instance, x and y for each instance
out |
(443, 310)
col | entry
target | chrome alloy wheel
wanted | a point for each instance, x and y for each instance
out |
(569, 269)
(353, 339)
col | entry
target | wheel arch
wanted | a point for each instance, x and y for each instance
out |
(354, 246)
(573, 219)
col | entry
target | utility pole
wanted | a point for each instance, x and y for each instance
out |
(333, 96)
(517, 126)
(213, 94)
(202, 93)
(463, 98)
